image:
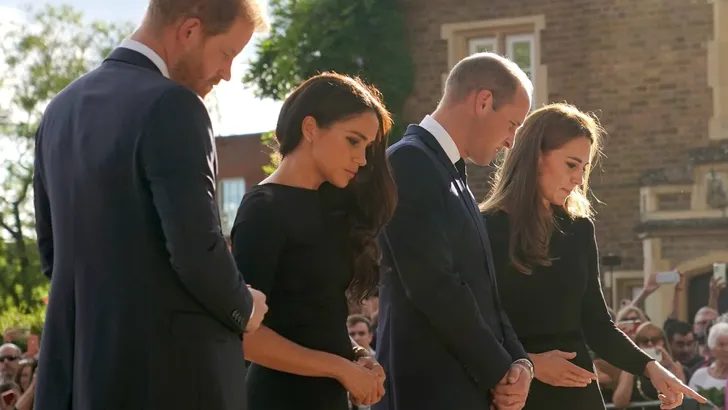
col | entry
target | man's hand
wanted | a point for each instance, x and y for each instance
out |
(512, 391)
(671, 389)
(260, 308)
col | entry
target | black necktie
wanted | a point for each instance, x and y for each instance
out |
(460, 165)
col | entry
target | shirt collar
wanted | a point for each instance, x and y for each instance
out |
(442, 136)
(148, 53)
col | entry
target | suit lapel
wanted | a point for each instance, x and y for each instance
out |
(464, 192)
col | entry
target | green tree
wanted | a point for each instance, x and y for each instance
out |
(362, 37)
(39, 57)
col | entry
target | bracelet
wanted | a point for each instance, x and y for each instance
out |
(528, 365)
(360, 352)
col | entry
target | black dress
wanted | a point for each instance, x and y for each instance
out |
(561, 307)
(290, 243)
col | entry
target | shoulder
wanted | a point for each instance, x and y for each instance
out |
(583, 226)
(173, 100)
(495, 216)
(258, 208)
(409, 159)
(260, 200)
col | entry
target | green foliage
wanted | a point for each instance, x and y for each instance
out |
(269, 140)
(38, 59)
(715, 395)
(23, 317)
(363, 38)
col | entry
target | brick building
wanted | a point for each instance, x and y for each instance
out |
(241, 159)
(656, 74)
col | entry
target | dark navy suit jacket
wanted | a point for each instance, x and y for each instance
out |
(443, 338)
(146, 304)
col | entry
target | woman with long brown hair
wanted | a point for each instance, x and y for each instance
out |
(542, 234)
(306, 237)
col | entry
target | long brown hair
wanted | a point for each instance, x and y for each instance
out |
(516, 189)
(371, 198)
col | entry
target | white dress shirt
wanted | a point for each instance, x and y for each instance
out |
(148, 53)
(442, 136)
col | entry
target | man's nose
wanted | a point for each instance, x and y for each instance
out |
(226, 73)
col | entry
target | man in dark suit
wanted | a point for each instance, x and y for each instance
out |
(147, 307)
(443, 338)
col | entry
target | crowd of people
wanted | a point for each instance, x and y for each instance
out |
(696, 352)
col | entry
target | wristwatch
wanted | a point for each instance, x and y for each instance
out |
(528, 365)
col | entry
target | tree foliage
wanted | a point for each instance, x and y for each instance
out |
(363, 38)
(39, 57)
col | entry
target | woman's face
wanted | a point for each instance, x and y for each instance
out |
(721, 349)
(562, 169)
(340, 149)
(26, 374)
(650, 338)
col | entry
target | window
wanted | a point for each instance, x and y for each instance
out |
(231, 193)
(516, 47)
(518, 39)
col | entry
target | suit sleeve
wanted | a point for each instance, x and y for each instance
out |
(422, 256)
(602, 334)
(510, 339)
(176, 151)
(43, 226)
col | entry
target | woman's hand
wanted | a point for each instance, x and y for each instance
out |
(671, 389)
(364, 385)
(554, 368)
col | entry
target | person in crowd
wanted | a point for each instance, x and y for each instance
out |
(361, 330)
(715, 374)
(443, 338)
(631, 388)
(10, 355)
(629, 318)
(547, 265)
(306, 237)
(682, 341)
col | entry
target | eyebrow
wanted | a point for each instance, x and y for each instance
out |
(579, 160)
(361, 136)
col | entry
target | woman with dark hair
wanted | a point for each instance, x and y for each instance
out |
(545, 254)
(306, 237)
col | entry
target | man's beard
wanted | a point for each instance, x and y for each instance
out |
(187, 72)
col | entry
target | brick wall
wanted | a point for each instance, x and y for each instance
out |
(242, 156)
(681, 248)
(640, 65)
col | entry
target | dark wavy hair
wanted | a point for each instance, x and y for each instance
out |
(371, 198)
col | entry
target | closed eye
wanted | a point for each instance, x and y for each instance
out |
(354, 141)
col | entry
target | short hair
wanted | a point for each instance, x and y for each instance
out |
(12, 346)
(677, 328)
(486, 71)
(217, 16)
(706, 309)
(716, 331)
(355, 319)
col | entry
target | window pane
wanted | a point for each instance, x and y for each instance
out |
(520, 52)
(481, 45)
(232, 191)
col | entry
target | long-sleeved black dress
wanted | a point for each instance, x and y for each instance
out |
(292, 244)
(561, 307)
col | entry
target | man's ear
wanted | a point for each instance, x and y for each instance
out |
(484, 101)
